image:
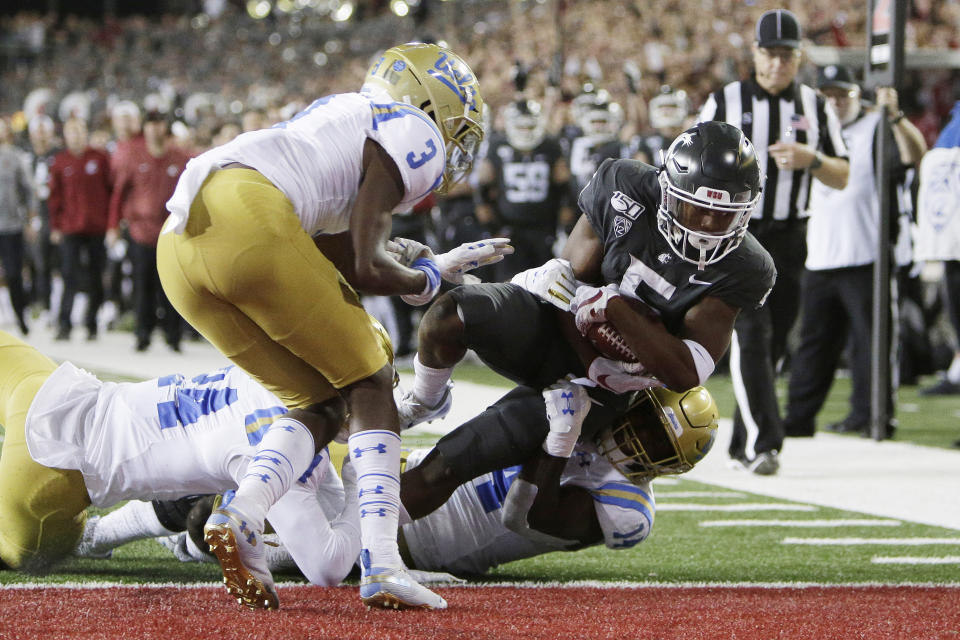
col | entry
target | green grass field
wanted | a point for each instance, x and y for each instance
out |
(681, 548)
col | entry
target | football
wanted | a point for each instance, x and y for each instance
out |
(607, 340)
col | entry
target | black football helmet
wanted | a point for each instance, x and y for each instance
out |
(710, 183)
(526, 124)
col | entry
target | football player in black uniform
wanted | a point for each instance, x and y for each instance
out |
(668, 113)
(674, 239)
(523, 179)
(600, 120)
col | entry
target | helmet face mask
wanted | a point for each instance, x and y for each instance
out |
(598, 115)
(662, 433)
(668, 110)
(440, 83)
(709, 187)
(525, 125)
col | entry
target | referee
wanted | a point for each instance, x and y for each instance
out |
(797, 138)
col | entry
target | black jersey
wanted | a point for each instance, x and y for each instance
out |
(586, 154)
(527, 196)
(621, 203)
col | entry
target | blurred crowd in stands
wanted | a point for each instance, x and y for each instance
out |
(211, 75)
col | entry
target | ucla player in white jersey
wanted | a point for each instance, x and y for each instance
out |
(72, 441)
(572, 494)
(238, 259)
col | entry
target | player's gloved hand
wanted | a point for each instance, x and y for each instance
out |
(567, 405)
(620, 377)
(455, 263)
(590, 304)
(432, 287)
(552, 282)
(407, 251)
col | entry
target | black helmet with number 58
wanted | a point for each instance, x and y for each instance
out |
(710, 184)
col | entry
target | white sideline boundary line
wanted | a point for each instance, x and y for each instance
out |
(745, 506)
(899, 542)
(670, 495)
(914, 560)
(577, 584)
(801, 523)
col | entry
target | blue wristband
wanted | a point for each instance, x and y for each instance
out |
(431, 270)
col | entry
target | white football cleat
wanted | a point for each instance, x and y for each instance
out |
(239, 550)
(392, 588)
(413, 412)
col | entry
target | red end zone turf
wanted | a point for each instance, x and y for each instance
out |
(489, 613)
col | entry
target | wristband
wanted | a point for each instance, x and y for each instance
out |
(432, 271)
(817, 161)
(897, 118)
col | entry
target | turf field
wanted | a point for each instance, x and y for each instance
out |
(728, 546)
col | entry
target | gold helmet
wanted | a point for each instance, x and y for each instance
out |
(440, 83)
(662, 432)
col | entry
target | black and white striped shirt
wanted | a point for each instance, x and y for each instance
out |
(797, 112)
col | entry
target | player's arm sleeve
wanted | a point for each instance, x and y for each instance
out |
(625, 512)
(324, 550)
(593, 197)
(414, 143)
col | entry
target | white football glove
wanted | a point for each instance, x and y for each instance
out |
(455, 263)
(567, 406)
(405, 251)
(552, 282)
(590, 304)
(620, 377)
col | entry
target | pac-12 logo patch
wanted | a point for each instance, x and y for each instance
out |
(626, 205)
(620, 226)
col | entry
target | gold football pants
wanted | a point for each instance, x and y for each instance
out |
(247, 276)
(42, 510)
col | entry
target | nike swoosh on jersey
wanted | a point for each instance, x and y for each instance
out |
(693, 280)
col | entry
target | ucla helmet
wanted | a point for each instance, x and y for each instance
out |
(710, 184)
(440, 83)
(662, 432)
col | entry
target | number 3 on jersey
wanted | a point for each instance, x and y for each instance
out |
(417, 162)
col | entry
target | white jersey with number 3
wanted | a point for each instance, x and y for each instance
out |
(316, 158)
(465, 535)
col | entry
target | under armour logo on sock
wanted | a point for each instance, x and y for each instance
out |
(268, 459)
(380, 448)
(568, 396)
(378, 489)
(247, 533)
(382, 512)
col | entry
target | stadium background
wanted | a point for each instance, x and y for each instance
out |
(854, 539)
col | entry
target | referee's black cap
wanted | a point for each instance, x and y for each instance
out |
(778, 28)
(834, 75)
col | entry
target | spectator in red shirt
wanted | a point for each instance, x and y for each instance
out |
(79, 198)
(143, 183)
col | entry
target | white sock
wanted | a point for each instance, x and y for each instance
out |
(376, 455)
(135, 520)
(429, 384)
(283, 455)
(953, 373)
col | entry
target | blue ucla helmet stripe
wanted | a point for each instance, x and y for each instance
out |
(258, 422)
